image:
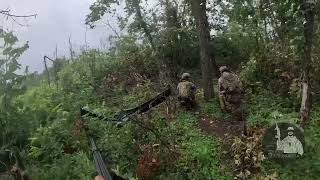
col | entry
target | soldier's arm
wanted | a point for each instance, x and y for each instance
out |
(220, 88)
(193, 87)
(177, 90)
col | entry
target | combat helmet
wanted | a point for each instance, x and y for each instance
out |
(223, 68)
(185, 76)
(290, 128)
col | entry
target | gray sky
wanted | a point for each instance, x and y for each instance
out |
(55, 22)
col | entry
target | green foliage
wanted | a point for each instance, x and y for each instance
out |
(135, 57)
(117, 145)
(56, 107)
(250, 72)
(308, 166)
(138, 95)
(41, 105)
(213, 109)
(267, 108)
(48, 143)
(199, 156)
(98, 9)
(270, 36)
(266, 38)
(10, 87)
(179, 47)
(226, 51)
(240, 41)
(68, 167)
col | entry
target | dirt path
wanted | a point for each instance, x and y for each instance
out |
(224, 129)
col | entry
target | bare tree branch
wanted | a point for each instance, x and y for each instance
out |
(114, 31)
(13, 19)
(7, 13)
(4, 11)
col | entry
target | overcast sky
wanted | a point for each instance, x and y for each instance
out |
(56, 20)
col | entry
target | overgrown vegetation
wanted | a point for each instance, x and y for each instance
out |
(263, 41)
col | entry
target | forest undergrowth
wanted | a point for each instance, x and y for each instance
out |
(271, 46)
(178, 148)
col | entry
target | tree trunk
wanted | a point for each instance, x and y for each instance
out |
(199, 12)
(46, 68)
(172, 24)
(143, 24)
(308, 8)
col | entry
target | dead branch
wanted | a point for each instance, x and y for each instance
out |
(114, 31)
(7, 13)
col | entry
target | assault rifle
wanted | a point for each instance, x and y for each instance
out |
(120, 118)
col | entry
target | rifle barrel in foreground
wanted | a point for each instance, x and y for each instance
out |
(99, 163)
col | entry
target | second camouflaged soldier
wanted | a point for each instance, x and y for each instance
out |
(186, 92)
(230, 91)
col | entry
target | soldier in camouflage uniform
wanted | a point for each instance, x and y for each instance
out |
(186, 92)
(230, 91)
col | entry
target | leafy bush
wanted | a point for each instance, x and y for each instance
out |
(51, 142)
(213, 109)
(117, 145)
(41, 104)
(267, 108)
(308, 166)
(68, 167)
(199, 156)
(14, 129)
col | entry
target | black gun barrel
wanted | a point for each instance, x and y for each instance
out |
(98, 160)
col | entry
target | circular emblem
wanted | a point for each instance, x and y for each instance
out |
(283, 142)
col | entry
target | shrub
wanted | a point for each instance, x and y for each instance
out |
(267, 108)
(199, 156)
(68, 167)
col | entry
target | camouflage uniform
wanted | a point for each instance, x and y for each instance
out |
(186, 92)
(230, 90)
